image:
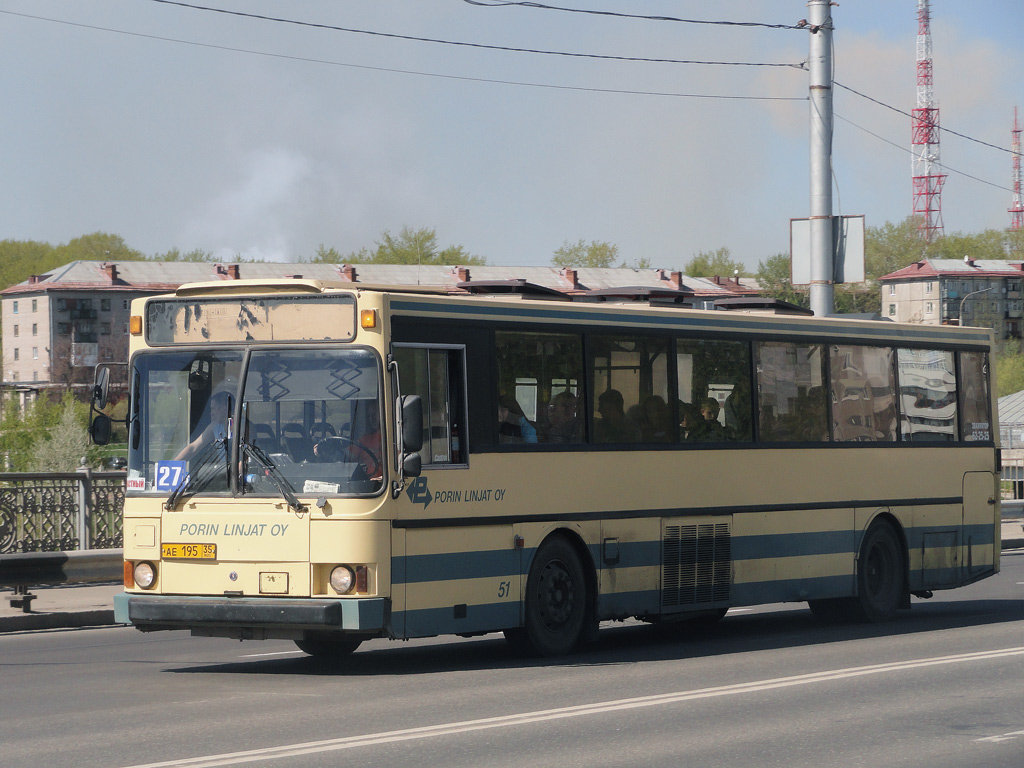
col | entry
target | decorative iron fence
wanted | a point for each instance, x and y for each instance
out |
(60, 511)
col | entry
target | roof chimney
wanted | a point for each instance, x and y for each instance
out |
(228, 271)
(461, 273)
(34, 279)
(674, 279)
(347, 272)
(571, 276)
(111, 270)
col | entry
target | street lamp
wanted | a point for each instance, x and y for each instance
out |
(960, 317)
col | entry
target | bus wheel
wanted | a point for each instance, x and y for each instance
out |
(327, 648)
(880, 580)
(556, 601)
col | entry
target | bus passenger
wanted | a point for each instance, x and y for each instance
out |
(655, 420)
(613, 426)
(513, 426)
(709, 429)
(563, 420)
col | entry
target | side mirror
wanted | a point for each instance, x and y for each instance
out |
(100, 388)
(412, 465)
(100, 429)
(412, 424)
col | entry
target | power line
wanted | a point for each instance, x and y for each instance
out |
(542, 6)
(464, 78)
(905, 149)
(463, 44)
(908, 114)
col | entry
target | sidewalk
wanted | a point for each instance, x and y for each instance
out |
(90, 605)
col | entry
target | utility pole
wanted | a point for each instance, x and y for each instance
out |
(822, 243)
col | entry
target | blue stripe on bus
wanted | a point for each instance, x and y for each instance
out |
(454, 566)
(427, 622)
(889, 332)
(457, 566)
(792, 590)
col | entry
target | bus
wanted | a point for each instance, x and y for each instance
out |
(329, 463)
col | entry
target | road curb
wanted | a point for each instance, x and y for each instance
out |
(58, 620)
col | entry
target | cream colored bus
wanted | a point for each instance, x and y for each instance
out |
(333, 463)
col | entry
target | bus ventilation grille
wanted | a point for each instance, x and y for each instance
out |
(697, 564)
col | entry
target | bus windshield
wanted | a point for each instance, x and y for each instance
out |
(296, 420)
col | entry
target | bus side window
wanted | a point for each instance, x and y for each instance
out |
(437, 375)
(539, 377)
(791, 392)
(975, 409)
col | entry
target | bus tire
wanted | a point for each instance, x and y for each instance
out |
(881, 584)
(326, 648)
(556, 601)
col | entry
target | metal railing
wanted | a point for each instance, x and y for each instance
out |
(60, 511)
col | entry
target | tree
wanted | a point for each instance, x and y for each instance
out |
(582, 254)
(1009, 372)
(773, 275)
(414, 246)
(195, 255)
(714, 263)
(66, 443)
(98, 246)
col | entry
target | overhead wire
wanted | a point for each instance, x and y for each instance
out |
(621, 15)
(464, 44)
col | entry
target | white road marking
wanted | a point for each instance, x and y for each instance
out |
(1011, 736)
(580, 710)
(275, 653)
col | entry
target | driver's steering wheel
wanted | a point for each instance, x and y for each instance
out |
(332, 447)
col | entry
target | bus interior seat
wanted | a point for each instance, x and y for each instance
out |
(296, 443)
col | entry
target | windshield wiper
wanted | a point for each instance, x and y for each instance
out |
(274, 474)
(201, 474)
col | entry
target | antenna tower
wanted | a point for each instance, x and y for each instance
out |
(925, 140)
(1017, 209)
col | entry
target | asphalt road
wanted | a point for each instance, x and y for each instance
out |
(941, 686)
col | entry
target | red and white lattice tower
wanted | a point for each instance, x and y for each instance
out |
(925, 140)
(1017, 209)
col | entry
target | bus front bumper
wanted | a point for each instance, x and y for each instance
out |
(274, 617)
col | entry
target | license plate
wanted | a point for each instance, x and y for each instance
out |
(188, 551)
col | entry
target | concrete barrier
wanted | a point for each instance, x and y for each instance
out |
(29, 569)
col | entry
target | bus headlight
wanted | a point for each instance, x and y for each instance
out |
(342, 579)
(145, 575)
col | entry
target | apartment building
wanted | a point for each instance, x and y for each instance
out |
(979, 292)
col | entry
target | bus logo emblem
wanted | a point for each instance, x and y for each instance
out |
(418, 492)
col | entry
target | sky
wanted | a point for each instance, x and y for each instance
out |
(177, 127)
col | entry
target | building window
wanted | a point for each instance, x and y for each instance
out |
(35, 304)
(17, 353)
(35, 329)
(62, 305)
(14, 307)
(929, 308)
(35, 353)
(928, 287)
(63, 329)
(124, 304)
(15, 331)
(892, 289)
(14, 375)
(104, 329)
(892, 310)
(105, 305)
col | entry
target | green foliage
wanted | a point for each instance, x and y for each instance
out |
(712, 263)
(1009, 373)
(64, 444)
(48, 437)
(410, 246)
(582, 254)
(174, 254)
